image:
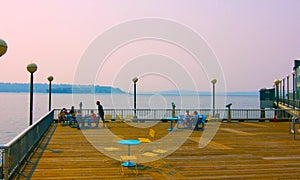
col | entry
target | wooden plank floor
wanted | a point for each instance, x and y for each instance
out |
(238, 151)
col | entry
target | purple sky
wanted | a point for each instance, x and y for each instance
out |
(255, 41)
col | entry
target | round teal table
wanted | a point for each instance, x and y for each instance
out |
(129, 143)
(171, 119)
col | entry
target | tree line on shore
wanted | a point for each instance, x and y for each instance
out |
(57, 88)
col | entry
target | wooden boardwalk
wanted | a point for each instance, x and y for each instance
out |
(238, 151)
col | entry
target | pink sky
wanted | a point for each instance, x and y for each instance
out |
(255, 41)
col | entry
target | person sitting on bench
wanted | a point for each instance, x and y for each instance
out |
(199, 119)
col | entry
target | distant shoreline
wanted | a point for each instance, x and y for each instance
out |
(58, 88)
(96, 89)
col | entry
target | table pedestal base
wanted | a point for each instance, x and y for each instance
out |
(128, 164)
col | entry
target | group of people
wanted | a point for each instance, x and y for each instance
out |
(64, 115)
(194, 119)
(75, 118)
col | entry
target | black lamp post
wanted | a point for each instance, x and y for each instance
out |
(3, 47)
(31, 68)
(214, 81)
(50, 79)
(135, 80)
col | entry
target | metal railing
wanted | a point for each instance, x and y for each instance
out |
(290, 102)
(14, 153)
(158, 114)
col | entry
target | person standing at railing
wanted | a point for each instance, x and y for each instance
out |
(72, 111)
(100, 112)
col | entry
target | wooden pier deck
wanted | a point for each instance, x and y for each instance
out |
(238, 151)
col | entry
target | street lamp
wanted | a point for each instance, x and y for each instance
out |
(135, 80)
(50, 79)
(31, 68)
(214, 81)
(3, 47)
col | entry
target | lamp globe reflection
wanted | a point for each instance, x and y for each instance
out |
(135, 80)
(3, 47)
(32, 67)
(214, 81)
(50, 78)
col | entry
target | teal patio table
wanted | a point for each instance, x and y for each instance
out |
(171, 119)
(129, 143)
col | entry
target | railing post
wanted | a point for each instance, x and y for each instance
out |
(263, 113)
(247, 114)
(122, 113)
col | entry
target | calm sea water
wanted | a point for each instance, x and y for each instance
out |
(15, 106)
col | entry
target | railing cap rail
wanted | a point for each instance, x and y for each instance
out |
(11, 142)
